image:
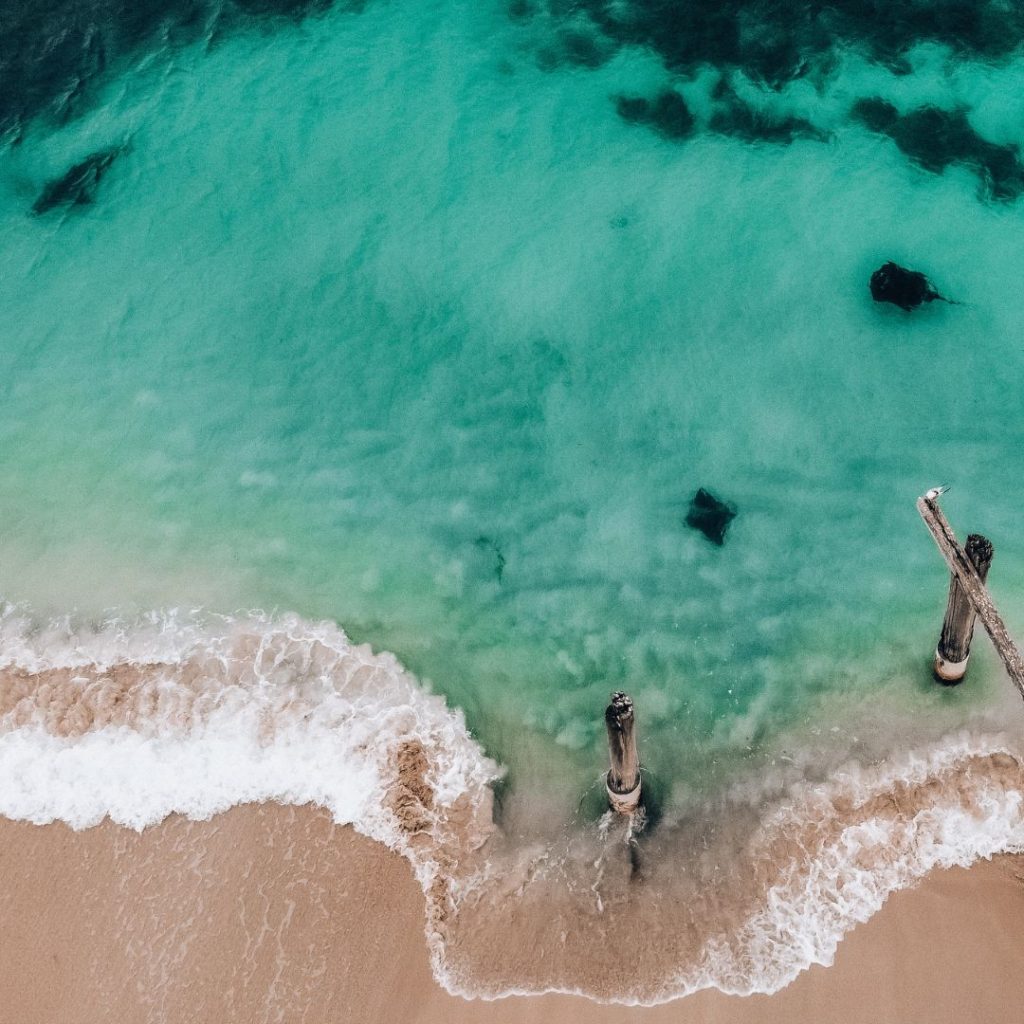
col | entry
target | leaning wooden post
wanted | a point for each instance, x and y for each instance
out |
(623, 780)
(963, 569)
(954, 647)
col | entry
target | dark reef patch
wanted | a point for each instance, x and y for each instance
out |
(935, 138)
(667, 113)
(577, 46)
(492, 549)
(54, 53)
(584, 49)
(77, 186)
(776, 42)
(710, 516)
(520, 10)
(293, 9)
(733, 116)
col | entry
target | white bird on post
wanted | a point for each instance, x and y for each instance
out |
(936, 492)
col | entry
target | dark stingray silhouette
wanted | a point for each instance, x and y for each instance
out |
(907, 289)
(710, 515)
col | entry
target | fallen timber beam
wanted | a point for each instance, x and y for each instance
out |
(973, 586)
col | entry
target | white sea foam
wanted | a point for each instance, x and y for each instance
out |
(190, 714)
(877, 831)
(820, 862)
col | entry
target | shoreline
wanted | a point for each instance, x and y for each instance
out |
(268, 912)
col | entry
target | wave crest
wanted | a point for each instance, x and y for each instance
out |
(179, 713)
(190, 715)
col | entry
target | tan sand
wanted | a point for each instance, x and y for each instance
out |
(275, 914)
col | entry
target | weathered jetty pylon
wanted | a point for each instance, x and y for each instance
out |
(623, 779)
(968, 598)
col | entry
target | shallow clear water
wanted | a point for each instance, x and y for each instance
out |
(388, 316)
(377, 319)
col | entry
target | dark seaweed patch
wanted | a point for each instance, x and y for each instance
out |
(934, 139)
(520, 10)
(739, 119)
(585, 49)
(753, 125)
(575, 44)
(877, 114)
(77, 186)
(53, 52)
(776, 41)
(667, 113)
(634, 109)
(491, 547)
(282, 8)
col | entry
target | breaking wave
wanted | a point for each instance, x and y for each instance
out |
(178, 713)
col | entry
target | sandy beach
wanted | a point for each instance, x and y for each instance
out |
(430, 427)
(270, 913)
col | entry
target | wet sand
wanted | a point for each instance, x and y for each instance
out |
(270, 913)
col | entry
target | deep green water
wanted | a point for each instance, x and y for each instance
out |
(387, 316)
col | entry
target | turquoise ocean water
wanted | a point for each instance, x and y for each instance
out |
(401, 316)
